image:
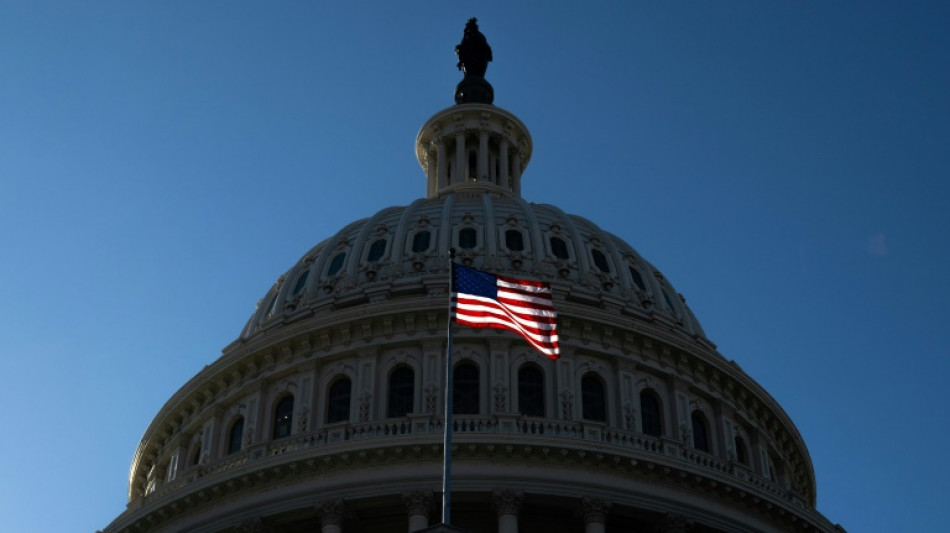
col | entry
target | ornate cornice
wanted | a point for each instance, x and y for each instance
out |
(507, 501)
(256, 477)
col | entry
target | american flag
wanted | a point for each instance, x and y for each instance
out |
(483, 300)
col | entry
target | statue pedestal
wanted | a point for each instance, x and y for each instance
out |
(472, 90)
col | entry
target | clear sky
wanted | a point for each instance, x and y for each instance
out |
(784, 164)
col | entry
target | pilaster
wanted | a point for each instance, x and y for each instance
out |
(594, 512)
(418, 505)
(507, 504)
(331, 516)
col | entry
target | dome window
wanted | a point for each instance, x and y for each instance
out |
(465, 397)
(593, 398)
(600, 260)
(338, 401)
(273, 305)
(741, 456)
(472, 164)
(700, 436)
(530, 390)
(401, 393)
(637, 279)
(468, 238)
(420, 242)
(195, 455)
(669, 301)
(336, 264)
(301, 282)
(650, 414)
(559, 248)
(235, 436)
(284, 418)
(376, 250)
(514, 241)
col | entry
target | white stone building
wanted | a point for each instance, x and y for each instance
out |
(325, 415)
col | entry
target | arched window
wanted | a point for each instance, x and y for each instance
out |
(637, 279)
(195, 455)
(338, 401)
(741, 455)
(514, 241)
(336, 263)
(465, 389)
(775, 469)
(284, 417)
(531, 390)
(420, 242)
(700, 436)
(401, 392)
(472, 161)
(669, 301)
(559, 248)
(273, 304)
(301, 282)
(376, 250)
(468, 238)
(593, 398)
(600, 261)
(650, 414)
(236, 436)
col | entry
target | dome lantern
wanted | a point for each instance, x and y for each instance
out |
(473, 144)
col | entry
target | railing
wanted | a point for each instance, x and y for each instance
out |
(514, 425)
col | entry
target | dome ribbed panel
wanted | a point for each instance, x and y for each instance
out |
(490, 213)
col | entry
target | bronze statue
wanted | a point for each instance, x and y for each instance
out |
(474, 52)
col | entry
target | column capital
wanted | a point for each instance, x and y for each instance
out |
(595, 510)
(418, 503)
(506, 501)
(675, 523)
(331, 512)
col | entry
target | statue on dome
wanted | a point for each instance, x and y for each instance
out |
(474, 52)
(474, 55)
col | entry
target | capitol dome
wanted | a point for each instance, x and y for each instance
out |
(326, 413)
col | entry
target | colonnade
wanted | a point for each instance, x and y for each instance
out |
(507, 505)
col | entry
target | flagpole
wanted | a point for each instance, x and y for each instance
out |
(447, 439)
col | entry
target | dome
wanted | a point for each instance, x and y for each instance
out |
(326, 412)
(402, 253)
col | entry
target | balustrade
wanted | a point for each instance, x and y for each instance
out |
(414, 427)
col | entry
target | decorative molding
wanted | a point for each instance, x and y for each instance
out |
(418, 503)
(594, 510)
(331, 512)
(507, 501)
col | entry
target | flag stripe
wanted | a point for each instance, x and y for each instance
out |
(484, 300)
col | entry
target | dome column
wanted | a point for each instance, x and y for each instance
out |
(507, 504)
(418, 504)
(595, 514)
(442, 163)
(461, 162)
(516, 174)
(432, 171)
(503, 163)
(331, 516)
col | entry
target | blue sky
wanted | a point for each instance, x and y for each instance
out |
(784, 164)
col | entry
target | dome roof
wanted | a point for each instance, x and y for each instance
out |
(474, 156)
(404, 251)
(334, 387)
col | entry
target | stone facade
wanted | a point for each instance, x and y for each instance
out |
(325, 414)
